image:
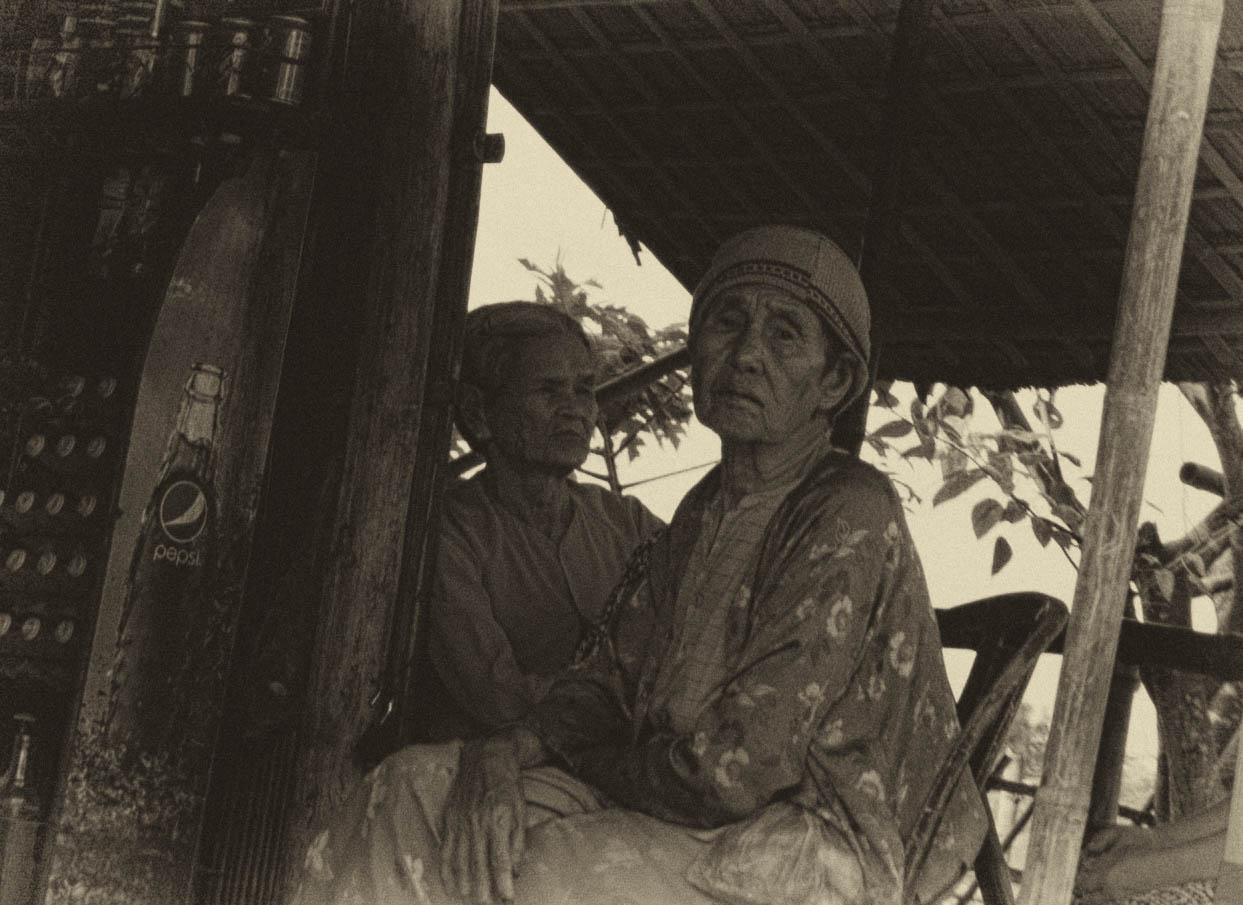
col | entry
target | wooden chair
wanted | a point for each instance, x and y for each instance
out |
(1008, 632)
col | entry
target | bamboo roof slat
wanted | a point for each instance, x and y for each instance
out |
(623, 132)
(1016, 196)
(856, 176)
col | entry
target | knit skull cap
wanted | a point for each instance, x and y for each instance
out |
(804, 263)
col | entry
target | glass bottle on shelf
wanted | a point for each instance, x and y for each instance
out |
(20, 817)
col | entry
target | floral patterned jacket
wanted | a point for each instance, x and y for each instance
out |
(833, 721)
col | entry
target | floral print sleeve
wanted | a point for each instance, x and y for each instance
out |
(804, 643)
(835, 697)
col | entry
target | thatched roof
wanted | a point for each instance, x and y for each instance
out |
(695, 118)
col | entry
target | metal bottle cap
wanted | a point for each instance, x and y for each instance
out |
(46, 562)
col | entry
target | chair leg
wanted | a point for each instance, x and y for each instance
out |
(992, 873)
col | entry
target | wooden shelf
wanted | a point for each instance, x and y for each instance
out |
(107, 126)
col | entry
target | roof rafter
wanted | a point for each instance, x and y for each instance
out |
(829, 147)
(1225, 274)
(640, 83)
(987, 242)
(602, 110)
(793, 185)
(668, 240)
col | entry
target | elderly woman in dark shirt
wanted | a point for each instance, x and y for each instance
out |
(759, 716)
(526, 555)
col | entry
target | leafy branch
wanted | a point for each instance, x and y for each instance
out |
(968, 457)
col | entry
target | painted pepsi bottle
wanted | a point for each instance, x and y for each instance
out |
(168, 592)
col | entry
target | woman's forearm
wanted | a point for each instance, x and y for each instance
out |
(1208, 822)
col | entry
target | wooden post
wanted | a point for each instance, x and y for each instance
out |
(406, 647)
(1107, 779)
(405, 66)
(1184, 67)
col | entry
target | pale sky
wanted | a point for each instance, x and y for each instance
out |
(533, 206)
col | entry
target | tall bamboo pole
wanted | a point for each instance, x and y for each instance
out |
(1185, 52)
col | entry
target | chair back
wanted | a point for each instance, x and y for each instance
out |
(1008, 633)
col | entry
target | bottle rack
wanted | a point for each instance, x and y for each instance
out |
(136, 76)
(53, 526)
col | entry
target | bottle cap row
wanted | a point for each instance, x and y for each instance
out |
(35, 628)
(72, 400)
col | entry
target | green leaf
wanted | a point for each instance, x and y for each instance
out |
(956, 484)
(892, 429)
(1043, 532)
(1073, 460)
(984, 515)
(1014, 513)
(1001, 554)
(919, 452)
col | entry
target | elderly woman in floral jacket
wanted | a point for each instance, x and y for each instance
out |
(761, 712)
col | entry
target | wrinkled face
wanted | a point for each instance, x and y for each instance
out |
(545, 412)
(759, 366)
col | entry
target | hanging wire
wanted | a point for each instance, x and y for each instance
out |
(670, 474)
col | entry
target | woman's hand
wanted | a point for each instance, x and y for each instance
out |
(484, 823)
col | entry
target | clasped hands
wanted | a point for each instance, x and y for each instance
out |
(484, 823)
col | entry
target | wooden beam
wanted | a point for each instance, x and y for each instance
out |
(721, 101)
(397, 101)
(602, 110)
(879, 242)
(605, 181)
(475, 60)
(1186, 49)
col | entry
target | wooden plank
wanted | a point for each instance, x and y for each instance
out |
(404, 154)
(478, 43)
(127, 828)
(1186, 49)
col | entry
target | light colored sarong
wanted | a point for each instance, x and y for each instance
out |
(383, 847)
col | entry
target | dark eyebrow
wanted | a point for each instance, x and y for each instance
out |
(790, 321)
